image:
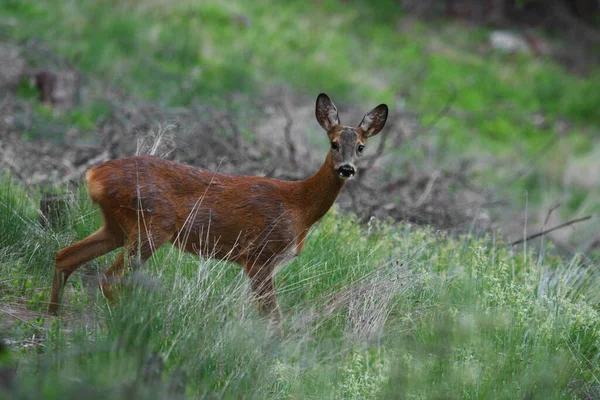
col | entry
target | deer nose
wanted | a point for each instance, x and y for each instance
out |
(346, 171)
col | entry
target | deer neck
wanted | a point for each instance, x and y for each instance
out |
(320, 191)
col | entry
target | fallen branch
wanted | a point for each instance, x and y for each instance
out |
(536, 235)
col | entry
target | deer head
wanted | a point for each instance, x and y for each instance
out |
(348, 143)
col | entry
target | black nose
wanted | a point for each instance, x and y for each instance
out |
(346, 171)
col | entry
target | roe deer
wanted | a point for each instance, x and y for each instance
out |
(258, 222)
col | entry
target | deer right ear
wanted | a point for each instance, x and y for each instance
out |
(326, 113)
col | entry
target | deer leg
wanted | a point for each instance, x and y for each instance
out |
(114, 273)
(139, 250)
(261, 280)
(72, 257)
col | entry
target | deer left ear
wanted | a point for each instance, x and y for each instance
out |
(374, 121)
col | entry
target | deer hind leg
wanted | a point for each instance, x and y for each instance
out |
(138, 250)
(114, 273)
(72, 257)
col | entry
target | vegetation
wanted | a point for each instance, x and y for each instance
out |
(190, 50)
(383, 311)
(378, 310)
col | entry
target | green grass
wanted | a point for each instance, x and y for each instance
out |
(194, 50)
(384, 311)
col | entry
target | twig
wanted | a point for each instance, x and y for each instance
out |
(427, 190)
(571, 222)
(550, 211)
(287, 130)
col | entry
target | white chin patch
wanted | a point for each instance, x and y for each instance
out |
(345, 177)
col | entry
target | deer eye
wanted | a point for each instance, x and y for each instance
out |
(360, 148)
(335, 146)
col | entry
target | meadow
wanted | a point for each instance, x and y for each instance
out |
(386, 310)
(372, 309)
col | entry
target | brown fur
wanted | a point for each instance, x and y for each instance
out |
(258, 222)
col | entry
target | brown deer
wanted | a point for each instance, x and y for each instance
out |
(260, 223)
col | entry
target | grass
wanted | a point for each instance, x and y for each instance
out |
(199, 50)
(382, 311)
(360, 53)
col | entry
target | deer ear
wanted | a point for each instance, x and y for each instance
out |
(326, 113)
(374, 121)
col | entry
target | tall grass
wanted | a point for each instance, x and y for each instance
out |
(377, 311)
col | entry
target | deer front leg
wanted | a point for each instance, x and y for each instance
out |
(261, 280)
(72, 257)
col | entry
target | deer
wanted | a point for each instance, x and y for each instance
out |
(258, 222)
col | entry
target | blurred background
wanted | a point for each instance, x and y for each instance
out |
(495, 104)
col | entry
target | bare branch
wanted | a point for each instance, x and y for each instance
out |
(536, 235)
(550, 211)
(427, 190)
